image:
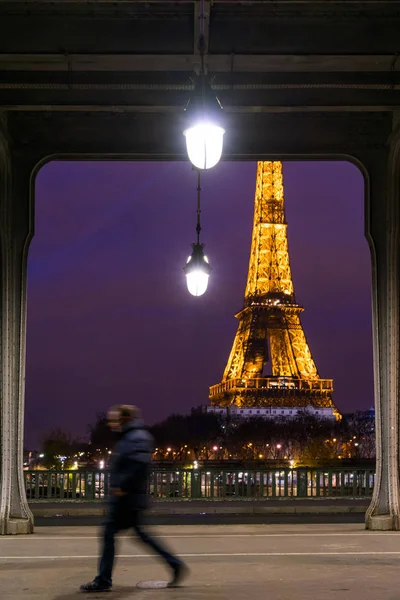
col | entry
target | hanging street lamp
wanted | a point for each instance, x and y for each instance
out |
(197, 268)
(204, 132)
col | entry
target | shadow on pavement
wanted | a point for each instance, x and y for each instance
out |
(116, 593)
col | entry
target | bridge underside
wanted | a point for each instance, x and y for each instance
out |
(113, 77)
(110, 79)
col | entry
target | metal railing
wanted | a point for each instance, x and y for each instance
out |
(288, 384)
(208, 484)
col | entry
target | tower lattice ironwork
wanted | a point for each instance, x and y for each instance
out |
(270, 331)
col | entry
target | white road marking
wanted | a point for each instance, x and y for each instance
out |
(38, 537)
(206, 555)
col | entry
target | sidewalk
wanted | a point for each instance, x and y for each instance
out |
(222, 507)
(262, 562)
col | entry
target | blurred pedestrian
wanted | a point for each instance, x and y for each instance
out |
(128, 495)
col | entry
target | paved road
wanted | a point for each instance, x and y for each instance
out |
(236, 562)
(210, 519)
(195, 512)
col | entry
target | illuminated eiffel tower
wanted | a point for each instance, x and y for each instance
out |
(270, 329)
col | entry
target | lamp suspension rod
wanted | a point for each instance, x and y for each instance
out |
(198, 226)
(201, 35)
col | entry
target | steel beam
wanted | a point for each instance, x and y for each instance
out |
(222, 63)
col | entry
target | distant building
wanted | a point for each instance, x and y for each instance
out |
(273, 412)
(361, 416)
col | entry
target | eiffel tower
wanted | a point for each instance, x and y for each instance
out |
(270, 330)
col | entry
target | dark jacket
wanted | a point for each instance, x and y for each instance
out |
(130, 464)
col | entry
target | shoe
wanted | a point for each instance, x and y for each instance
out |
(180, 572)
(95, 586)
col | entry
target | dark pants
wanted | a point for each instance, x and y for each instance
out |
(111, 528)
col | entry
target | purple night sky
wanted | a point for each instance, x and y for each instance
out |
(109, 316)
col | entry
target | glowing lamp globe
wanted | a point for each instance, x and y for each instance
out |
(197, 271)
(204, 143)
(204, 130)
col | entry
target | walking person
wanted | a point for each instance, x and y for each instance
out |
(128, 495)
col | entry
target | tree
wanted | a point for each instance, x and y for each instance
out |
(185, 434)
(100, 435)
(358, 435)
(315, 452)
(56, 444)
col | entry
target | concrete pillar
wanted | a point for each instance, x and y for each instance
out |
(383, 230)
(15, 234)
